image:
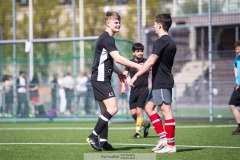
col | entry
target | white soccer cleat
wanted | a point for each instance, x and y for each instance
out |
(161, 143)
(167, 149)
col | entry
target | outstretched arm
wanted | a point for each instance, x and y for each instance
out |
(120, 74)
(123, 89)
(124, 61)
(146, 67)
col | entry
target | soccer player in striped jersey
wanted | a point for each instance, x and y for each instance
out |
(106, 53)
(161, 61)
(234, 101)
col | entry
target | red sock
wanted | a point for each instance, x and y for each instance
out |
(157, 124)
(170, 129)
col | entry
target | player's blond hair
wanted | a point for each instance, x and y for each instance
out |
(112, 15)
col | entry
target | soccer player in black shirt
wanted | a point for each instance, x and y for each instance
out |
(139, 92)
(106, 53)
(161, 61)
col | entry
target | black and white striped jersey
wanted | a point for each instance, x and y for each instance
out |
(102, 67)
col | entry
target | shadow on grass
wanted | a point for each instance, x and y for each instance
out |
(151, 137)
(134, 147)
(129, 148)
(188, 149)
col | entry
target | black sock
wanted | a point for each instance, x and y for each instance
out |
(102, 122)
(104, 135)
(238, 125)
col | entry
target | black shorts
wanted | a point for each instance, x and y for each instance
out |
(102, 90)
(235, 98)
(138, 98)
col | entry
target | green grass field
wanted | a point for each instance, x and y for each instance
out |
(61, 141)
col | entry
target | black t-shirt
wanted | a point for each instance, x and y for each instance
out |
(142, 81)
(102, 67)
(166, 49)
(34, 83)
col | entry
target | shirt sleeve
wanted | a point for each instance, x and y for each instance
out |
(109, 44)
(158, 46)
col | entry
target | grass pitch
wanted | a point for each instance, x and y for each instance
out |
(61, 141)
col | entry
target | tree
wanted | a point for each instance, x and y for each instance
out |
(47, 24)
(5, 19)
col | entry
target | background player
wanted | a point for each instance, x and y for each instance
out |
(234, 101)
(139, 92)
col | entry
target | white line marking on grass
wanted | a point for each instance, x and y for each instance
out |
(121, 144)
(207, 126)
(222, 147)
(30, 143)
(185, 146)
(50, 128)
(114, 128)
(66, 128)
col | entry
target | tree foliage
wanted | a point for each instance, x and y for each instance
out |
(5, 19)
(53, 20)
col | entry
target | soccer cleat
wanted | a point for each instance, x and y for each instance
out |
(146, 130)
(161, 143)
(108, 147)
(93, 142)
(236, 132)
(167, 149)
(136, 136)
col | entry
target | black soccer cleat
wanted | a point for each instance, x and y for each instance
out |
(236, 132)
(93, 141)
(136, 136)
(106, 146)
(146, 130)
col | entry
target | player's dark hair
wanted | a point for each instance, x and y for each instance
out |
(137, 46)
(165, 20)
(21, 72)
(237, 44)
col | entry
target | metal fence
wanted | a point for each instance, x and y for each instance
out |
(190, 93)
(56, 37)
(189, 100)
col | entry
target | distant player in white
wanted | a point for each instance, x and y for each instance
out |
(105, 54)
